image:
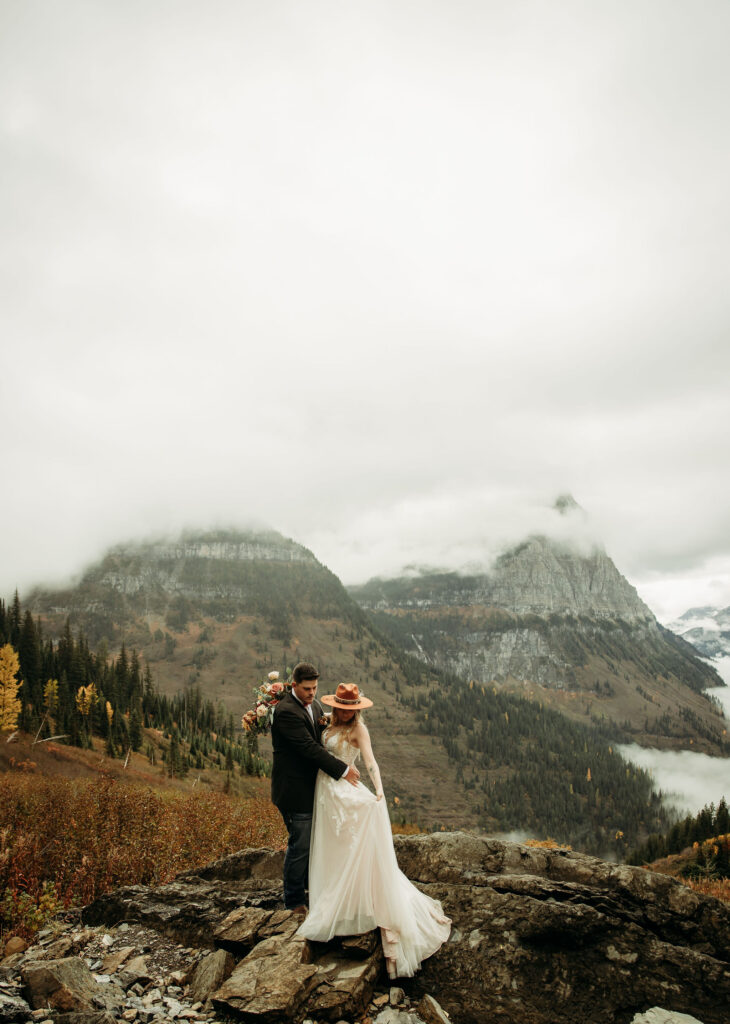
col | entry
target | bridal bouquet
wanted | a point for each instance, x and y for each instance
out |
(268, 695)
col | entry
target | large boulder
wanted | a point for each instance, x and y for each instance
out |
(193, 906)
(554, 937)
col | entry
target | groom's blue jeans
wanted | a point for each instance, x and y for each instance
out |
(296, 861)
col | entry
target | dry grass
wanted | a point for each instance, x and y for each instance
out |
(64, 841)
(547, 844)
(717, 887)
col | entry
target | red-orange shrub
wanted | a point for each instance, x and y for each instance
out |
(82, 838)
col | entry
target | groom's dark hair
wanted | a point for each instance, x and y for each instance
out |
(304, 671)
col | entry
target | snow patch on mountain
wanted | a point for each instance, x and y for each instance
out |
(708, 630)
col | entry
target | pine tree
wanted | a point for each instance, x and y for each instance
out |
(148, 699)
(135, 727)
(173, 755)
(14, 619)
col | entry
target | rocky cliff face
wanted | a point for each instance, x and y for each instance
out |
(561, 620)
(539, 937)
(193, 565)
(539, 577)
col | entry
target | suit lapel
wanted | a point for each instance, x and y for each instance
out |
(317, 714)
(305, 715)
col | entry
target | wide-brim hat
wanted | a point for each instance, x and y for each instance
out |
(347, 697)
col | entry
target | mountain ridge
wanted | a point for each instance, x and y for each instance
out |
(563, 626)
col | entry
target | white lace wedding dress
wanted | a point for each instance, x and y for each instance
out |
(355, 883)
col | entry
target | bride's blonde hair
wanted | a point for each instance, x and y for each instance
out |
(345, 728)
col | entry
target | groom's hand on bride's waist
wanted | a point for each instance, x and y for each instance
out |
(352, 775)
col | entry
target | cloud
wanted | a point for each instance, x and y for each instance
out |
(461, 530)
(688, 781)
(388, 279)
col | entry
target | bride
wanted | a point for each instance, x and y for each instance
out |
(355, 883)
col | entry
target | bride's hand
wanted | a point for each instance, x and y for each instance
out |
(378, 796)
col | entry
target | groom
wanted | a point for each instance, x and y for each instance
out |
(296, 732)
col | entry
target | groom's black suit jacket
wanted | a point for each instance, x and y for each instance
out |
(298, 756)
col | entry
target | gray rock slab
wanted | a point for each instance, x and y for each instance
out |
(210, 974)
(191, 907)
(67, 985)
(270, 985)
(239, 930)
(344, 986)
(116, 959)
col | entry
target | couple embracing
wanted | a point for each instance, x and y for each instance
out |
(340, 842)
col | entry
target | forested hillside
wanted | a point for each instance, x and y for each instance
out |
(70, 692)
(530, 769)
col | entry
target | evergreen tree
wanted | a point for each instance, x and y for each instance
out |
(174, 764)
(135, 727)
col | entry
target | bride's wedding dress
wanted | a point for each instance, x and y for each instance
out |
(355, 883)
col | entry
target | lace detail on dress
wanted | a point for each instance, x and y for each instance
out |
(345, 825)
(337, 743)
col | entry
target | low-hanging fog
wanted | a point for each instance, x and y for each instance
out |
(688, 780)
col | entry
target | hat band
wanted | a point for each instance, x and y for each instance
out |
(346, 700)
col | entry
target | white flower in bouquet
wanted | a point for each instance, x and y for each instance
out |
(261, 710)
(273, 676)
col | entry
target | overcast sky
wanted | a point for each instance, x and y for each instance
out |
(387, 276)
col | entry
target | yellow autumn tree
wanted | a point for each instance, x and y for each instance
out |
(109, 714)
(86, 697)
(10, 705)
(50, 699)
(50, 696)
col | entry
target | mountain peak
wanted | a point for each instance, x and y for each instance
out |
(565, 504)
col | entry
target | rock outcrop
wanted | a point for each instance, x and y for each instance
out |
(538, 577)
(551, 936)
(539, 937)
(203, 565)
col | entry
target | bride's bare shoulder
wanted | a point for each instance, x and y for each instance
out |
(359, 733)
